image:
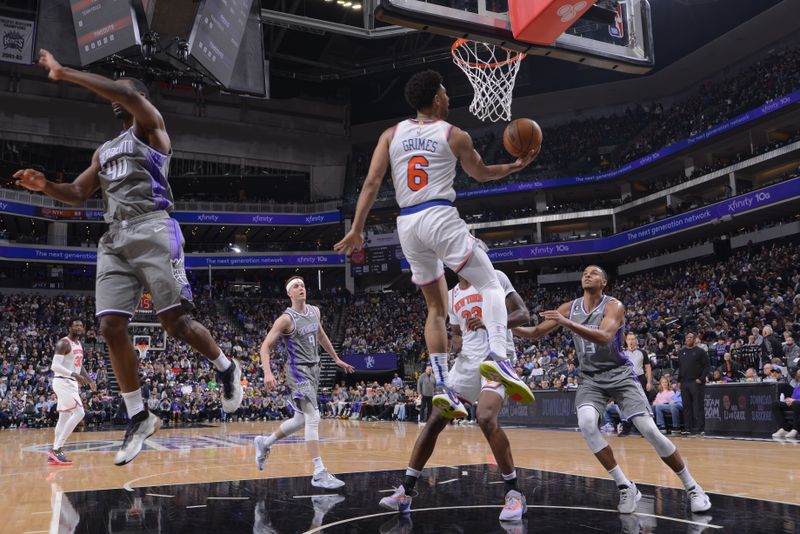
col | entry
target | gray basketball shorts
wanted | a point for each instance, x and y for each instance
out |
(145, 252)
(618, 384)
(303, 382)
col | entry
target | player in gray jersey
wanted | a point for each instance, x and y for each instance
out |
(143, 247)
(300, 327)
(597, 322)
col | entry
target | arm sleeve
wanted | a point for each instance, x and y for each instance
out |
(58, 365)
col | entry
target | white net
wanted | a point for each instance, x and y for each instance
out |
(492, 71)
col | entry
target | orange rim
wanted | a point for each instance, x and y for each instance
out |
(461, 42)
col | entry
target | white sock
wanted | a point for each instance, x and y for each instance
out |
(271, 439)
(619, 476)
(222, 362)
(686, 478)
(63, 417)
(318, 465)
(411, 472)
(511, 476)
(133, 402)
(495, 317)
(439, 365)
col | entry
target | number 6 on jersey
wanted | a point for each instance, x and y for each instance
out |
(417, 172)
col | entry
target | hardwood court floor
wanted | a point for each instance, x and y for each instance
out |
(219, 453)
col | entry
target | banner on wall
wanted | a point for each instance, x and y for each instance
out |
(372, 362)
(17, 40)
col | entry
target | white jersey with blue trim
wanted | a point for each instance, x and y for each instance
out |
(423, 166)
(468, 303)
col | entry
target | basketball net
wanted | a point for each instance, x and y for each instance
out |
(141, 348)
(492, 71)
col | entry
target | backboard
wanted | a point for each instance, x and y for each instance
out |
(615, 35)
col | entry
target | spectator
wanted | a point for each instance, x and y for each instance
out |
(728, 368)
(788, 429)
(693, 368)
(425, 387)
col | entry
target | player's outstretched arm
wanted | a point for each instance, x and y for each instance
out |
(543, 328)
(74, 193)
(609, 326)
(148, 121)
(472, 162)
(283, 325)
(328, 346)
(518, 313)
(354, 239)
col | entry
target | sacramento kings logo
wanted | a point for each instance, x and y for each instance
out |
(13, 40)
(179, 271)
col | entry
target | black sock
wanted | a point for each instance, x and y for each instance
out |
(409, 483)
(510, 484)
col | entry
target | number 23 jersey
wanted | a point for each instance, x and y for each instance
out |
(423, 165)
(467, 303)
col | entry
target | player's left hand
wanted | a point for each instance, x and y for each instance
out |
(351, 242)
(526, 160)
(475, 323)
(553, 315)
(50, 64)
(346, 366)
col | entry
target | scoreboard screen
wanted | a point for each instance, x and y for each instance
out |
(217, 35)
(382, 254)
(103, 28)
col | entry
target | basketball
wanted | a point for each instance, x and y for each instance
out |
(521, 136)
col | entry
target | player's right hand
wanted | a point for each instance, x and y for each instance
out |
(269, 381)
(30, 179)
(82, 380)
(351, 242)
(523, 162)
(50, 64)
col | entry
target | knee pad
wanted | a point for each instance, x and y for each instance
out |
(645, 425)
(587, 421)
(312, 426)
(290, 426)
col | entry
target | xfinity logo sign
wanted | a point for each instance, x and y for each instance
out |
(206, 217)
(262, 218)
(315, 219)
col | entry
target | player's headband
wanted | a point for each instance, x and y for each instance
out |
(291, 283)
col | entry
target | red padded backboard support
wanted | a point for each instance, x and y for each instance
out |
(543, 21)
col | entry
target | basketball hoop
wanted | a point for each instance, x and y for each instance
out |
(492, 71)
(142, 348)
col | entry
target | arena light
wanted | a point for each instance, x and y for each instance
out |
(356, 6)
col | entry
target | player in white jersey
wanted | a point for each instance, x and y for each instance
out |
(68, 375)
(423, 153)
(464, 380)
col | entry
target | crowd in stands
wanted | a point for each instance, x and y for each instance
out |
(750, 300)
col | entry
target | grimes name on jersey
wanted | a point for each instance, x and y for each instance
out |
(420, 143)
(125, 147)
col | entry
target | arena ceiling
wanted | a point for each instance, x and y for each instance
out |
(369, 72)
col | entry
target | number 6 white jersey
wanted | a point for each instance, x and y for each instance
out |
(423, 166)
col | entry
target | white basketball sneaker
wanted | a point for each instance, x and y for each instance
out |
(502, 371)
(515, 506)
(449, 404)
(262, 451)
(628, 497)
(324, 479)
(231, 381)
(792, 434)
(397, 501)
(781, 433)
(140, 427)
(698, 499)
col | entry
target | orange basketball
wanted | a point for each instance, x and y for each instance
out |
(521, 136)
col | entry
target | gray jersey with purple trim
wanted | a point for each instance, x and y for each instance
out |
(303, 343)
(592, 357)
(133, 178)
